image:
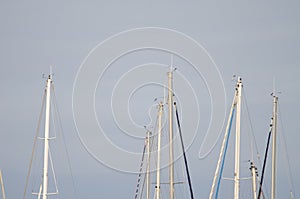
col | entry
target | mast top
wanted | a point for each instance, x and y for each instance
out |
(239, 82)
(238, 79)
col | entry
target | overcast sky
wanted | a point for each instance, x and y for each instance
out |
(256, 40)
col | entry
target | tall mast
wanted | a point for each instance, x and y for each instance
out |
(46, 146)
(170, 105)
(274, 130)
(237, 139)
(158, 150)
(148, 167)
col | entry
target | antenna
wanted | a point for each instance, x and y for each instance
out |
(274, 93)
(172, 62)
(50, 71)
(274, 87)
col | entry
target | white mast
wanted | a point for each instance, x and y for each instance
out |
(2, 185)
(170, 104)
(253, 171)
(148, 166)
(237, 139)
(158, 150)
(274, 130)
(222, 147)
(46, 146)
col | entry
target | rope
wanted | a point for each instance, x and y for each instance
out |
(287, 159)
(152, 144)
(140, 172)
(224, 155)
(53, 173)
(64, 141)
(251, 129)
(142, 188)
(150, 140)
(264, 165)
(253, 140)
(34, 145)
(184, 155)
(222, 148)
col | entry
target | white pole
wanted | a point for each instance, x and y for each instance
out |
(170, 104)
(158, 150)
(148, 167)
(46, 146)
(237, 140)
(2, 185)
(222, 147)
(253, 170)
(274, 130)
(40, 191)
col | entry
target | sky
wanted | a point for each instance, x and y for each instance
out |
(258, 41)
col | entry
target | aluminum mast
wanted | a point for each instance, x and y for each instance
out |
(2, 185)
(46, 143)
(237, 140)
(170, 105)
(274, 130)
(158, 150)
(148, 167)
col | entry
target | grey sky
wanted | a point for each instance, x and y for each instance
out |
(256, 40)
